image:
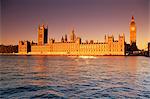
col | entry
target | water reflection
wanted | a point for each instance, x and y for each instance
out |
(73, 77)
(95, 69)
(38, 71)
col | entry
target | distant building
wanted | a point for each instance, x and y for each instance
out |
(75, 46)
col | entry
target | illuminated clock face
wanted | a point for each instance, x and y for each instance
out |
(132, 28)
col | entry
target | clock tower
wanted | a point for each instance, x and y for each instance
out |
(133, 35)
(132, 32)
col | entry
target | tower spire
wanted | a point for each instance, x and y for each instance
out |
(73, 30)
(72, 36)
(132, 18)
(133, 34)
(62, 39)
(65, 37)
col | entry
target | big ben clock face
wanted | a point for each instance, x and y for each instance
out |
(133, 28)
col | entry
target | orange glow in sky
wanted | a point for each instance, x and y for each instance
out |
(92, 19)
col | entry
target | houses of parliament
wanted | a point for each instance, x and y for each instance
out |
(73, 45)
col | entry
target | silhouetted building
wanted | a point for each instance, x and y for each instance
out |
(8, 49)
(65, 38)
(62, 39)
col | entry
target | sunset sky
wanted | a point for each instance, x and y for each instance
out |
(91, 19)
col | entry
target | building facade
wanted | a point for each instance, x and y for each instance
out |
(75, 46)
(24, 47)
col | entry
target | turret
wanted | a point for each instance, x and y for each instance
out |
(65, 38)
(122, 38)
(110, 39)
(78, 40)
(105, 39)
(62, 39)
(72, 36)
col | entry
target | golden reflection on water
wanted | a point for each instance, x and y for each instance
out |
(68, 76)
(110, 68)
(38, 75)
(39, 71)
(74, 68)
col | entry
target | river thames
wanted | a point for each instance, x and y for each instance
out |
(106, 77)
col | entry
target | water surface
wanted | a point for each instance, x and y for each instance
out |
(107, 77)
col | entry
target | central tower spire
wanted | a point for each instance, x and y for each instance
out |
(72, 36)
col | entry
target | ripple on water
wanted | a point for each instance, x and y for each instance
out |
(64, 77)
(36, 92)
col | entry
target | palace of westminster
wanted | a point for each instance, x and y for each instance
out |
(74, 45)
